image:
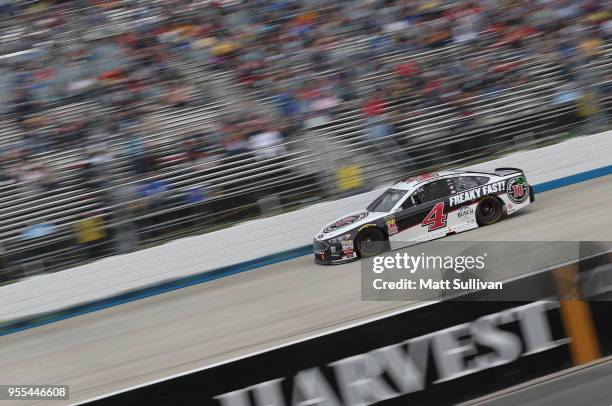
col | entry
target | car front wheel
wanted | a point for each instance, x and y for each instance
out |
(371, 242)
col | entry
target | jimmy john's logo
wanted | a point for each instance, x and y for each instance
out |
(518, 190)
(345, 222)
(412, 365)
(477, 193)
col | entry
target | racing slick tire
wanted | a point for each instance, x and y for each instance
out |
(489, 211)
(371, 242)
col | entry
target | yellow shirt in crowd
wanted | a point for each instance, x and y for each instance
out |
(90, 229)
(349, 177)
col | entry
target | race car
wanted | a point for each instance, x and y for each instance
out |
(423, 208)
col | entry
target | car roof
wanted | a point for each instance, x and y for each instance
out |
(413, 182)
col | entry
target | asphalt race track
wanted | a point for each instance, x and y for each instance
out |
(133, 343)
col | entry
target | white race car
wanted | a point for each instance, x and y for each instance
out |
(424, 208)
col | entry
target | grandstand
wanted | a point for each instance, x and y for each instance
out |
(150, 115)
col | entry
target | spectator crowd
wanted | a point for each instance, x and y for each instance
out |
(303, 62)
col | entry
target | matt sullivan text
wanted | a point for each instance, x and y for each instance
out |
(432, 284)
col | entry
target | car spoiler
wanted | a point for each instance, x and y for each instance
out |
(507, 171)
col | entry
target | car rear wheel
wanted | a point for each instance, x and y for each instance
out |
(371, 242)
(489, 211)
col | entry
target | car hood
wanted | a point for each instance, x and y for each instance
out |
(346, 223)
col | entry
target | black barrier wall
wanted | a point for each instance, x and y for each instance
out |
(439, 354)
(452, 357)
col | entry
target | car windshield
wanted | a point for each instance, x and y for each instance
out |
(387, 200)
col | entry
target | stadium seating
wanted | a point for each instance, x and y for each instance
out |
(424, 136)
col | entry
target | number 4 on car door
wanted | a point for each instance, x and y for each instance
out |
(436, 218)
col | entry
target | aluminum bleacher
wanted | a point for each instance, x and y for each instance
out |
(244, 186)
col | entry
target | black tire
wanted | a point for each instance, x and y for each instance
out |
(489, 211)
(371, 242)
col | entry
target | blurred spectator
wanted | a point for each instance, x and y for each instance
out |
(589, 111)
(155, 190)
(286, 103)
(375, 106)
(267, 144)
(73, 133)
(143, 161)
(124, 198)
(195, 195)
(178, 95)
(38, 230)
(590, 46)
(374, 110)
(567, 93)
(91, 233)
(235, 143)
(23, 105)
(8, 8)
(350, 179)
(96, 168)
(5, 178)
(201, 147)
(194, 198)
(467, 22)
(324, 103)
(35, 177)
(380, 130)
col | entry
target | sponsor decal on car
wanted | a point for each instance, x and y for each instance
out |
(423, 177)
(345, 222)
(391, 226)
(476, 193)
(518, 190)
(366, 226)
(465, 211)
(347, 247)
